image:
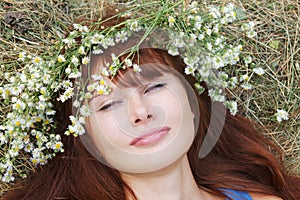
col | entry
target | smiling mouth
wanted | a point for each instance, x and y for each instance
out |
(150, 137)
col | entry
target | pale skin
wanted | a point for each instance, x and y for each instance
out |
(173, 180)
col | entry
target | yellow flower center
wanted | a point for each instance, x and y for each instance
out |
(20, 55)
(100, 92)
(60, 59)
(102, 82)
(57, 145)
(37, 60)
(18, 106)
(38, 119)
(34, 161)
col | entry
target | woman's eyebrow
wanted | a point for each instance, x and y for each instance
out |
(98, 97)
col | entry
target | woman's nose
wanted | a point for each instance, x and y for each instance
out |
(139, 110)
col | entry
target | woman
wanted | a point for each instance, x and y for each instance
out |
(145, 139)
(239, 161)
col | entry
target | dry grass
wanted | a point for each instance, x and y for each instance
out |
(33, 26)
(277, 49)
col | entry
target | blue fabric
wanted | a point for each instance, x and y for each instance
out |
(237, 195)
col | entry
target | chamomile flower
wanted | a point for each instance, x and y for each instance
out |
(81, 50)
(61, 59)
(190, 70)
(76, 104)
(134, 26)
(136, 68)
(85, 60)
(85, 111)
(259, 71)
(248, 60)
(75, 60)
(57, 146)
(171, 21)
(121, 36)
(22, 56)
(37, 60)
(281, 115)
(128, 62)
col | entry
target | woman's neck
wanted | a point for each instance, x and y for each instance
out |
(174, 182)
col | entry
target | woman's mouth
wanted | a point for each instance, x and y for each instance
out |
(150, 136)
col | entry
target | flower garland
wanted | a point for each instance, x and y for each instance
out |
(30, 94)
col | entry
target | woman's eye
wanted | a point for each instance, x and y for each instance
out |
(109, 105)
(154, 87)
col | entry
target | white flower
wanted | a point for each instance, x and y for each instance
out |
(248, 60)
(97, 51)
(75, 74)
(121, 36)
(173, 51)
(23, 78)
(251, 34)
(208, 31)
(246, 86)
(7, 177)
(69, 42)
(67, 94)
(57, 146)
(85, 29)
(74, 60)
(209, 46)
(216, 95)
(76, 26)
(190, 70)
(37, 60)
(232, 82)
(28, 147)
(214, 12)
(19, 105)
(105, 72)
(171, 20)
(281, 115)
(81, 50)
(76, 104)
(134, 26)
(61, 58)
(22, 56)
(201, 36)
(85, 60)
(136, 68)
(232, 106)
(128, 62)
(259, 71)
(76, 128)
(68, 70)
(50, 112)
(85, 111)
(244, 77)
(88, 95)
(91, 87)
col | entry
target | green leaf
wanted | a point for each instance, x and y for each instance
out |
(274, 44)
(240, 14)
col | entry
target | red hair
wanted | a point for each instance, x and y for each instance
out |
(240, 160)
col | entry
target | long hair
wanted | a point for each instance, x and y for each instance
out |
(241, 159)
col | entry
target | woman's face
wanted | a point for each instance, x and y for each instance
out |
(140, 129)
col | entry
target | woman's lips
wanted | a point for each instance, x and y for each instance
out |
(150, 136)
